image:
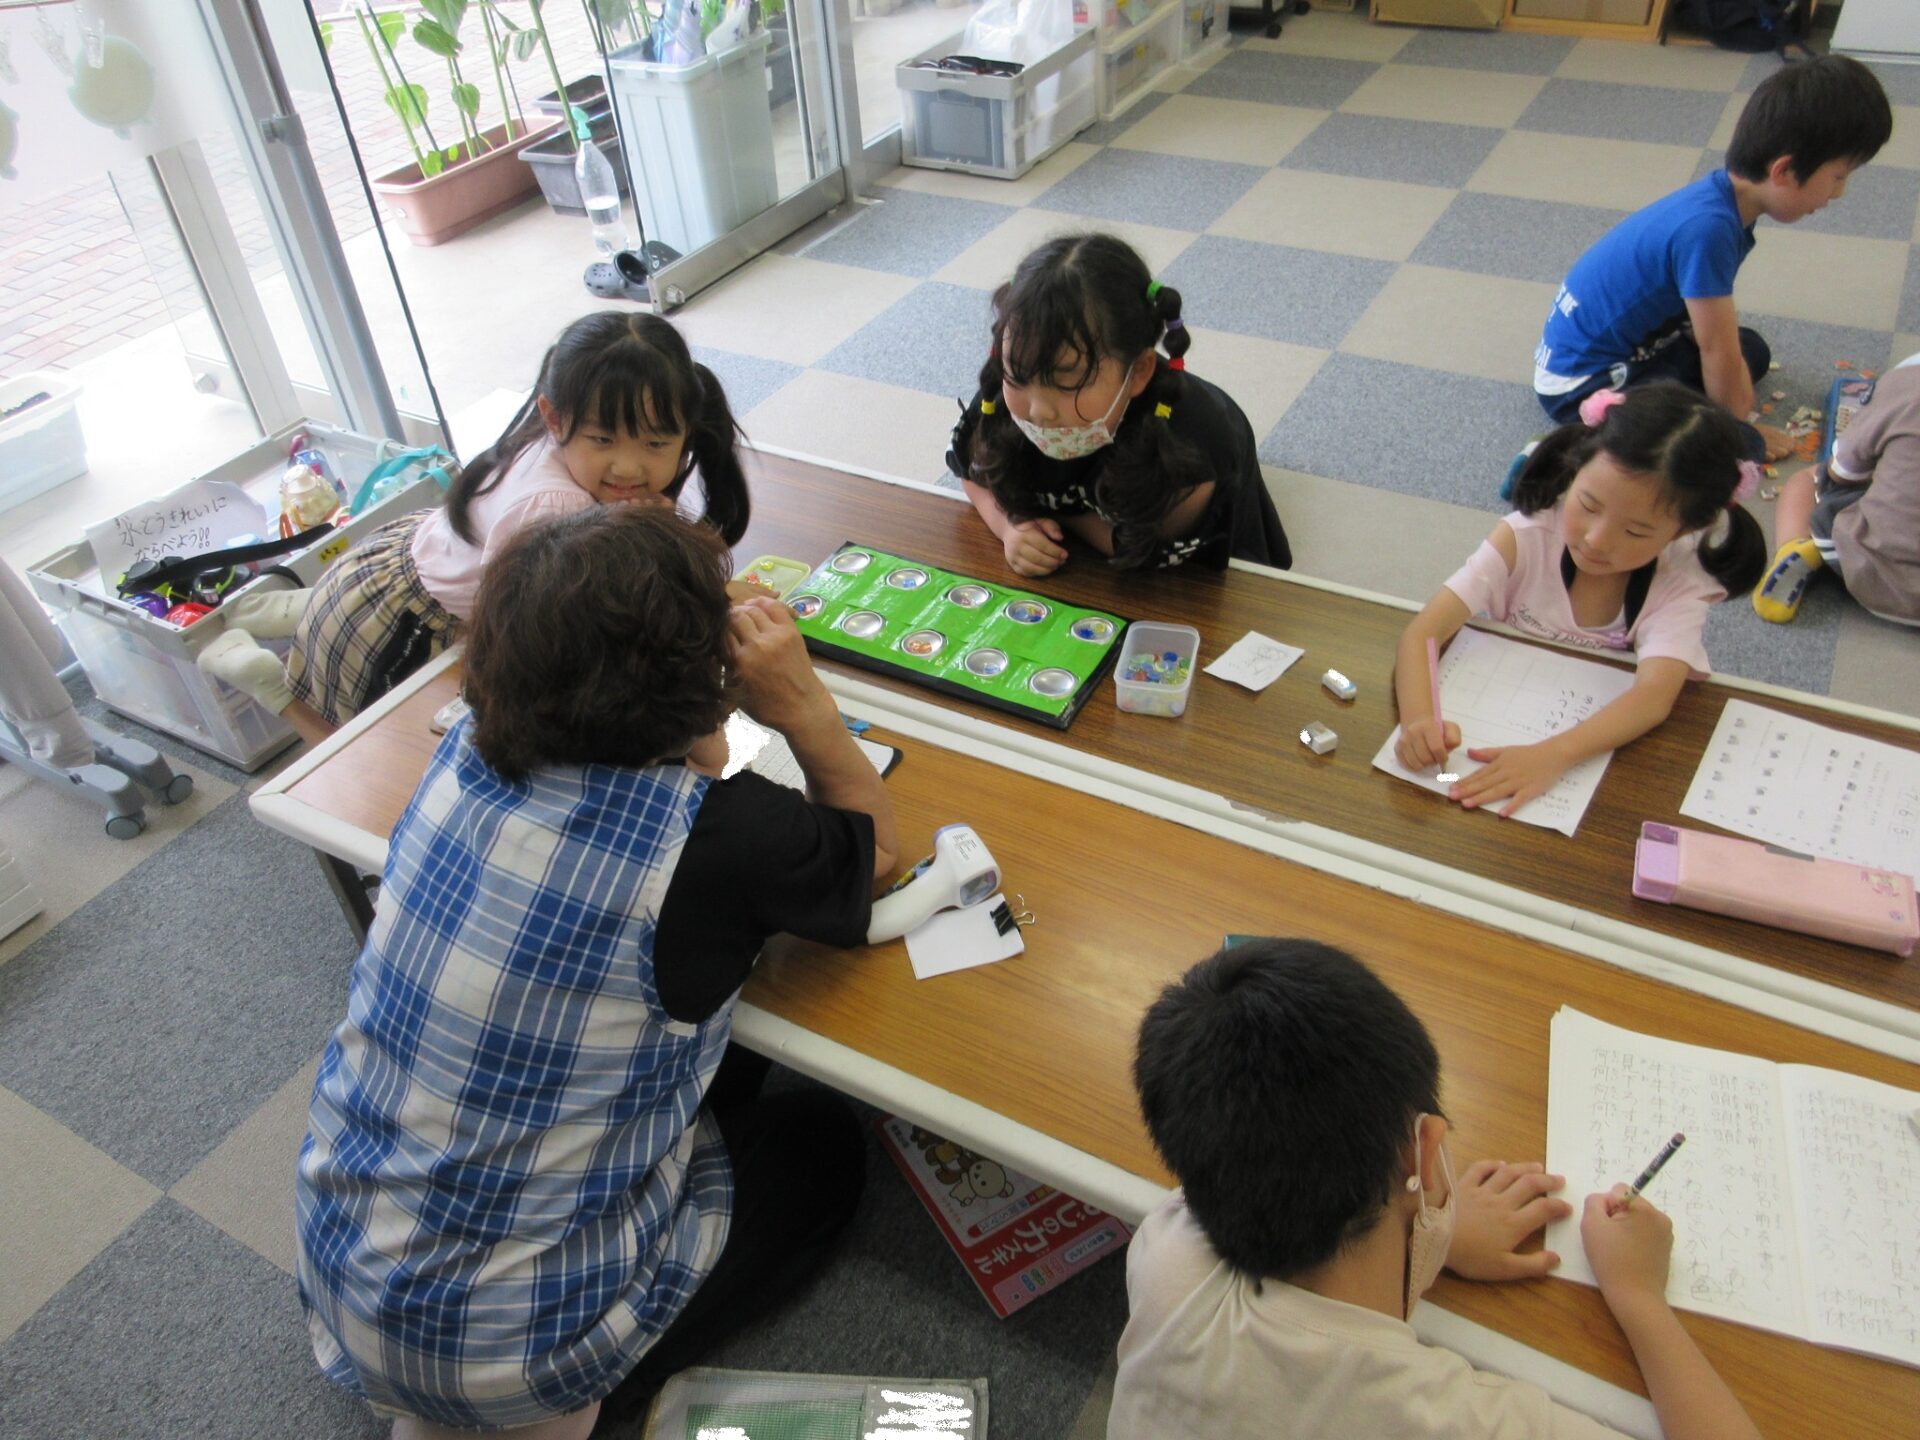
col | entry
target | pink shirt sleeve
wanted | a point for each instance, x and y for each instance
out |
(1482, 582)
(540, 506)
(1674, 616)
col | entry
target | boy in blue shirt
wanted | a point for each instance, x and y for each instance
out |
(1653, 298)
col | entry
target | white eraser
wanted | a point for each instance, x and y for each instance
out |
(1339, 685)
(1320, 739)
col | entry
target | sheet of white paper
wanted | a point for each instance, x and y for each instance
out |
(1614, 1097)
(961, 939)
(1809, 788)
(1856, 1157)
(765, 752)
(200, 516)
(1254, 661)
(1501, 692)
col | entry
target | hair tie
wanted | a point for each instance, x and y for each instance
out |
(1178, 362)
(1153, 289)
(1594, 408)
(1163, 411)
(1176, 323)
(1749, 483)
(986, 407)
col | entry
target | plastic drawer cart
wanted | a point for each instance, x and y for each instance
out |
(40, 440)
(998, 125)
(144, 668)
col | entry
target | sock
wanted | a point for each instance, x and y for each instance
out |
(267, 614)
(237, 658)
(1778, 595)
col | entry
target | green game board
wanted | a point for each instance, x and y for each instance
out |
(957, 634)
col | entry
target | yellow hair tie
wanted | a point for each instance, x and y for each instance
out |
(986, 407)
(1163, 410)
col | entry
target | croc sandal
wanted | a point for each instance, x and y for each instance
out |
(604, 279)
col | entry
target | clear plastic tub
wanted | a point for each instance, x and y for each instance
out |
(1153, 697)
(40, 444)
(998, 125)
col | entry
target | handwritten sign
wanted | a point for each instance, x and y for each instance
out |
(200, 516)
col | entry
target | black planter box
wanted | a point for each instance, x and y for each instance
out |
(552, 162)
(589, 92)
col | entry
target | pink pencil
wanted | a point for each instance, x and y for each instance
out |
(1433, 677)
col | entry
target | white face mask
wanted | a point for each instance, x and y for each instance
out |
(1432, 1229)
(1072, 442)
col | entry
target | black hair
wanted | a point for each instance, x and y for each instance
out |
(1813, 111)
(1077, 301)
(1692, 444)
(626, 373)
(1281, 1081)
(599, 639)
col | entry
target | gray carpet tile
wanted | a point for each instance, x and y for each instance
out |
(907, 232)
(1308, 297)
(1624, 112)
(1487, 50)
(933, 338)
(1806, 353)
(1758, 69)
(156, 1018)
(1478, 233)
(896, 1301)
(1173, 191)
(1375, 148)
(173, 1330)
(1799, 655)
(1105, 132)
(1314, 82)
(1880, 203)
(1910, 293)
(747, 379)
(1404, 428)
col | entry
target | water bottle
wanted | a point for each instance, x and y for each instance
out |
(599, 191)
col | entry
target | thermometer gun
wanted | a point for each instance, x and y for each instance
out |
(959, 872)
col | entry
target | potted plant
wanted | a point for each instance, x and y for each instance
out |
(448, 190)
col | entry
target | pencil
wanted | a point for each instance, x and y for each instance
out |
(1653, 1168)
(1433, 678)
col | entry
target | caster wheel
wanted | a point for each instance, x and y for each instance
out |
(125, 827)
(1301, 7)
(178, 789)
(1273, 30)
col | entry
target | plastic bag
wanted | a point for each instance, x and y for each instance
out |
(1024, 30)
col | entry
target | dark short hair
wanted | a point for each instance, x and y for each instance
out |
(1814, 111)
(1280, 1080)
(600, 638)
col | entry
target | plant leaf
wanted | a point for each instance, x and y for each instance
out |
(612, 13)
(409, 102)
(446, 13)
(431, 164)
(326, 35)
(501, 18)
(393, 25)
(525, 43)
(429, 35)
(467, 98)
(453, 154)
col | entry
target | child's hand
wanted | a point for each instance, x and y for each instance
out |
(1421, 744)
(1514, 773)
(1034, 547)
(1500, 1206)
(1628, 1246)
(1779, 444)
(777, 684)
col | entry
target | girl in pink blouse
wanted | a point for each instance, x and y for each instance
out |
(1628, 526)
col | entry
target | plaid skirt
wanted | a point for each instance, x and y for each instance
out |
(370, 624)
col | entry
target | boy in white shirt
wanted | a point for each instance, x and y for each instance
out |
(1296, 1098)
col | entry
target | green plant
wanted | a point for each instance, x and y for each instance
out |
(439, 34)
(526, 40)
(499, 45)
(616, 22)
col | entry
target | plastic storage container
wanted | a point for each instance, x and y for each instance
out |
(40, 444)
(1135, 56)
(552, 162)
(998, 125)
(1152, 697)
(144, 668)
(1205, 29)
(699, 140)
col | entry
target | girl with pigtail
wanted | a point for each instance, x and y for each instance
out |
(1628, 527)
(621, 414)
(1081, 430)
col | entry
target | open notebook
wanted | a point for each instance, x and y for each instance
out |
(1793, 1200)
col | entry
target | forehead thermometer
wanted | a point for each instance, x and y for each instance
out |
(959, 872)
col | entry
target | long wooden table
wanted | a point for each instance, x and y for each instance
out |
(1244, 746)
(1125, 900)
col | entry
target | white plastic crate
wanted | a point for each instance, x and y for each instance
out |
(997, 125)
(1205, 28)
(40, 445)
(1133, 57)
(699, 140)
(144, 668)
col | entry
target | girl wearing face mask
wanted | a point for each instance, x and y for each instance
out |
(1082, 430)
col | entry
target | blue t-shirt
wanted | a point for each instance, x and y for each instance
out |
(1637, 278)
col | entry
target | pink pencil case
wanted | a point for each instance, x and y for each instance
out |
(1751, 881)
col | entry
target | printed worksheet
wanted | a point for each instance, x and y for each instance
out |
(1502, 692)
(1810, 788)
(1792, 1198)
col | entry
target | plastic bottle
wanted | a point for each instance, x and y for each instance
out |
(599, 191)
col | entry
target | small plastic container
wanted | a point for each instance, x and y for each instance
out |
(1152, 697)
(775, 574)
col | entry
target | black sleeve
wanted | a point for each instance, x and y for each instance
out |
(1241, 521)
(960, 448)
(760, 859)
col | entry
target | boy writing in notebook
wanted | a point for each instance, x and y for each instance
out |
(1296, 1099)
(1653, 298)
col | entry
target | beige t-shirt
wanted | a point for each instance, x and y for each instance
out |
(1878, 537)
(1205, 1355)
(536, 487)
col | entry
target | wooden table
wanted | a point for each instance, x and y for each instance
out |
(1244, 746)
(1029, 1059)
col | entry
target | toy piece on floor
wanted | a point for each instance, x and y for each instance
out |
(1008, 649)
(960, 872)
